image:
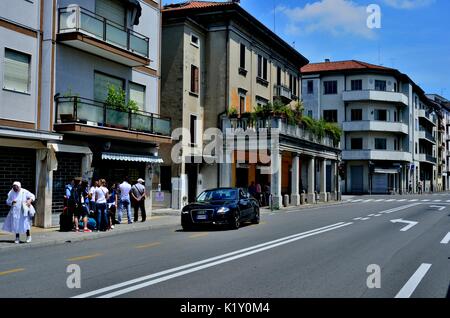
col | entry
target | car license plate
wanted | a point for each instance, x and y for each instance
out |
(201, 217)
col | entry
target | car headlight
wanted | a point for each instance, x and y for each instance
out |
(223, 210)
(184, 212)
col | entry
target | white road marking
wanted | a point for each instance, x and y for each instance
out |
(357, 219)
(446, 239)
(437, 200)
(448, 201)
(413, 282)
(415, 200)
(425, 200)
(403, 200)
(377, 215)
(356, 201)
(371, 215)
(370, 200)
(196, 266)
(365, 219)
(380, 200)
(410, 225)
(400, 208)
(439, 207)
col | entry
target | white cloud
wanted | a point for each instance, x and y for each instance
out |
(332, 16)
(408, 4)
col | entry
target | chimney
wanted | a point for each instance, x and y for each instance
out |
(327, 60)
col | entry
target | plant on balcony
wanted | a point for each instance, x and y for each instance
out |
(232, 112)
(116, 99)
(334, 131)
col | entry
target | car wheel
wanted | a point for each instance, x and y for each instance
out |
(186, 226)
(235, 222)
(256, 219)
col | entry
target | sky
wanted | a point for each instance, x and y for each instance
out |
(412, 36)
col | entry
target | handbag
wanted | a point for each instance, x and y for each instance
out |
(28, 210)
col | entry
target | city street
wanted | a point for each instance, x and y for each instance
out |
(316, 252)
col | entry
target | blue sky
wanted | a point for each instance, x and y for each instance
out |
(414, 36)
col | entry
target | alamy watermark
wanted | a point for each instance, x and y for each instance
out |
(374, 18)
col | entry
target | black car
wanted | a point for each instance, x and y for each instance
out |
(223, 206)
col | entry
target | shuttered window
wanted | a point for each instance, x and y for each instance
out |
(102, 83)
(112, 10)
(16, 71)
(194, 79)
(137, 93)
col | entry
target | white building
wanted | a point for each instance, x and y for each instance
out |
(389, 125)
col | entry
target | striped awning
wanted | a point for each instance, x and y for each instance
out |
(386, 171)
(131, 158)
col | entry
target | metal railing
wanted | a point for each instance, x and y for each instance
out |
(283, 91)
(429, 136)
(285, 128)
(74, 109)
(78, 19)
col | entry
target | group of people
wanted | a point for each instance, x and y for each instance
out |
(100, 202)
(260, 193)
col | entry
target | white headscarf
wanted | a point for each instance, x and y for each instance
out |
(17, 183)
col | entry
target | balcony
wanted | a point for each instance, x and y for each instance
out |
(427, 116)
(87, 31)
(373, 95)
(87, 117)
(370, 125)
(427, 158)
(292, 131)
(283, 92)
(425, 135)
(376, 155)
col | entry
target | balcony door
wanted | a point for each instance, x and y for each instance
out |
(102, 82)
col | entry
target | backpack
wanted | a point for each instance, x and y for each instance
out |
(65, 221)
(92, 224)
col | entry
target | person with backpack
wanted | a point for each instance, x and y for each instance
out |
(112, 206)
(138, 194)
(81, 210)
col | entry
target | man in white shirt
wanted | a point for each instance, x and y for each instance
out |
(124, 200)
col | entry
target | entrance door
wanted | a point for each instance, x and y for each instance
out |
(357, 185)
(192, 173)
(242, 178)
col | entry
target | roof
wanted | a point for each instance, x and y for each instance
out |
(342, 66)
(195, 5)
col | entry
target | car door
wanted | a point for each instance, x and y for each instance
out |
(244, 205)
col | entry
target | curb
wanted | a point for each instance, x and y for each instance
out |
(89, 237)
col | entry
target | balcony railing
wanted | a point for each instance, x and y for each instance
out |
(244, 124)
(427, 135)
(78, 19)
(283, 92)
(78, 110)
(427, 158)
(424, 114)
(370, 94)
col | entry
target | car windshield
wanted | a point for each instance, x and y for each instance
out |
(217, 195)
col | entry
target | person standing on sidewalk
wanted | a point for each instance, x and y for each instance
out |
(18, 220)
(138, 194)
(124, 201)
(101, 196)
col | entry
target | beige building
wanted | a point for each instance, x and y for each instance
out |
(217, 57)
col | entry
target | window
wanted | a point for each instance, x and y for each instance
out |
(194, 79)
(310, 88)
(357, 143)
(241, 104)
(381, 115)
(356, 114)
(278, 75)
(17, 71)
(380, 144)
(260, 66)
(310, 113)
(380, 85)
(112, 10)
(295, 87)
(330, 116)
(242, 63)
(195, 40)
(261, 101)
(330, 87)
(193, 129)
(137, 93)
(102, 82)
(264, 68)
(395, 87)
(291, 84)
(356, 85)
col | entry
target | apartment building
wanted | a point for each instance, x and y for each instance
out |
(217, 58)
(24, 136)
(390, 126)
(100, 91)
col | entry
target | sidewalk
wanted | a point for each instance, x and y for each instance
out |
(46, 237)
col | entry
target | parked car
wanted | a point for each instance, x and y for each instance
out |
(223, 206)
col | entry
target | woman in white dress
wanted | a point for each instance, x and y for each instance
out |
(18, 220)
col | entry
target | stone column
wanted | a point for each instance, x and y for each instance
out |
(44, 189)
(225, 171)
(334, 172)
(295, 196)
(149, 172)
(275, 186)
(311, 197)
(323, 181)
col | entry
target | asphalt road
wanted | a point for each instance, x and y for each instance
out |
(332, 251)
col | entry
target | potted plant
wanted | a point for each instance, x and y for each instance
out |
(232, 112)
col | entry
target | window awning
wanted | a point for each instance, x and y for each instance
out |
(386, 171)
(131, 158)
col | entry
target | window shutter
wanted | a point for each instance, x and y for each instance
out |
(265, 69)
(194, 79)
(137, 93)
(102, 83)
(16, 71)
(112, 10)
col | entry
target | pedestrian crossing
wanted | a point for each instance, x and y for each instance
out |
(396, 200)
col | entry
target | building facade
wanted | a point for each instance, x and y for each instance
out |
(99, 81)
(218, 58)
(390, 141)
